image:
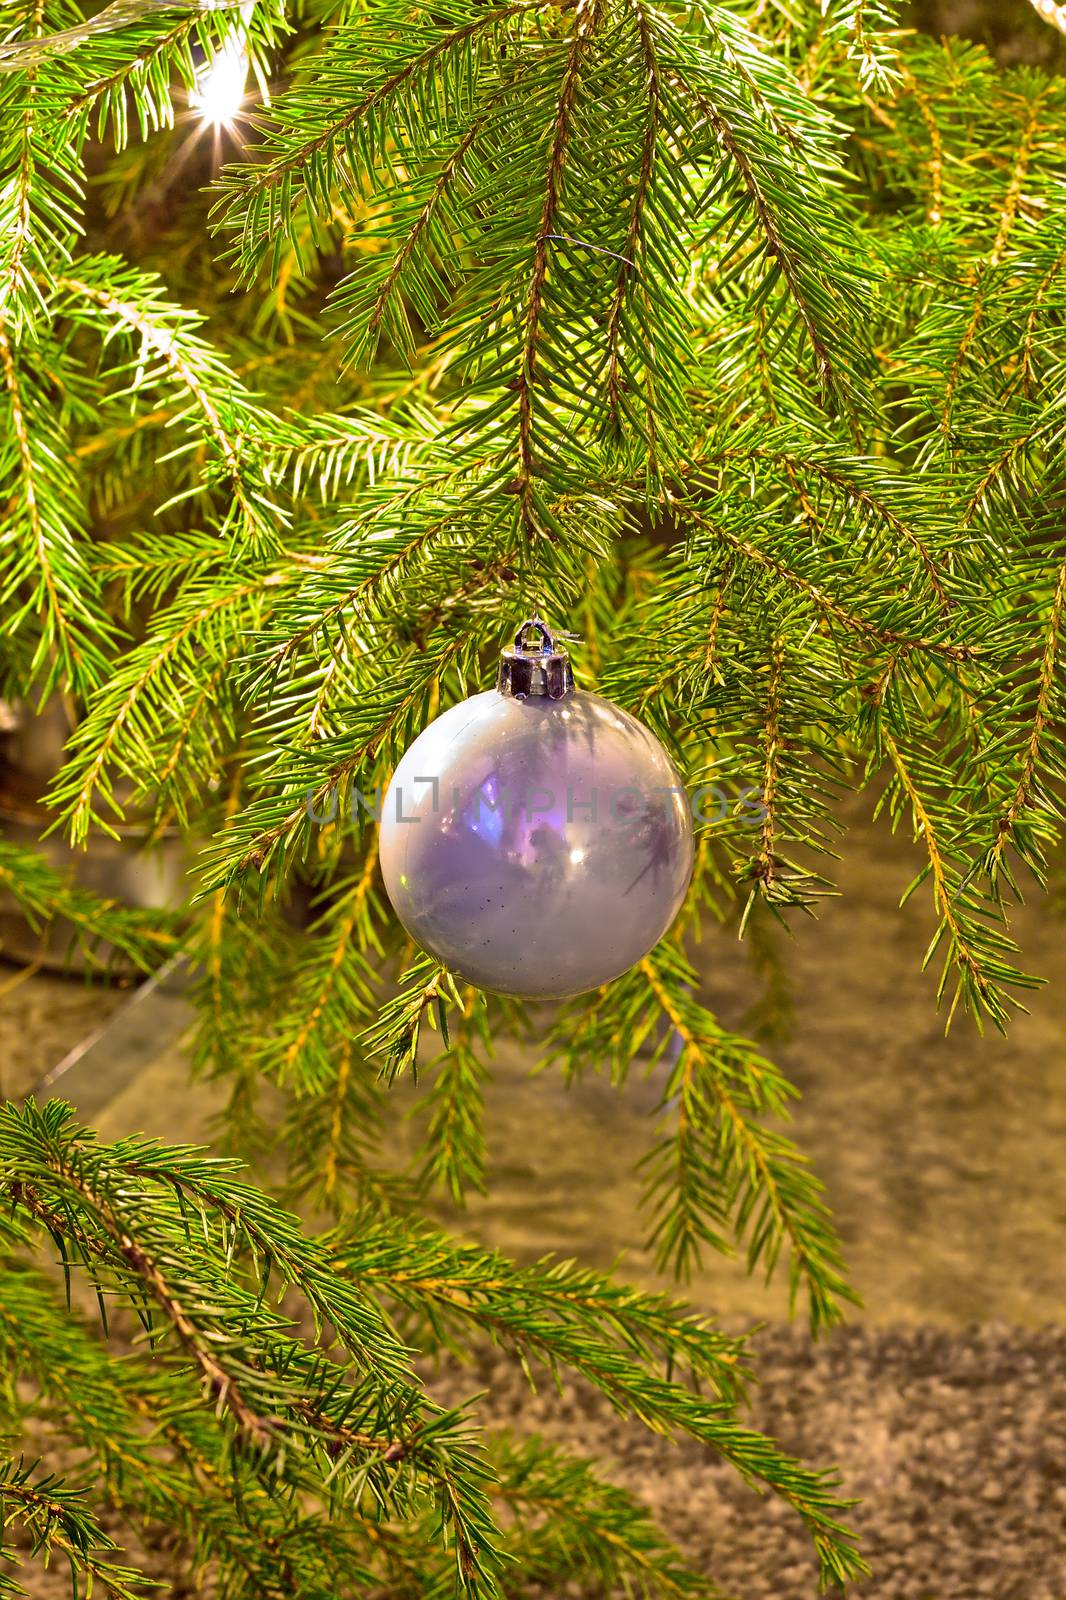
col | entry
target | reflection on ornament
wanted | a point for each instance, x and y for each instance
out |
(536, 839)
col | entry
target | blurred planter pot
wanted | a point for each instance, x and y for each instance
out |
(128, 869)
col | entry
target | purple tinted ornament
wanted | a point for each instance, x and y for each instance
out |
(535, 838)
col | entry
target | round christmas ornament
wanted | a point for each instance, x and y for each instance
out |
(535, 838)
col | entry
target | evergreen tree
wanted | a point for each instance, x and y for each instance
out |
(731, 336)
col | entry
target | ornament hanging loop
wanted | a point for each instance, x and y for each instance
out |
(547, 642)
(534, 670)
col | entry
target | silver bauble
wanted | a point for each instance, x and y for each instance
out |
(536, 839)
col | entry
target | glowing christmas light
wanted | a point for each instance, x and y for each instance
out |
(219, 93)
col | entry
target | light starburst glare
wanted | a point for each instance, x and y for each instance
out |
(220, 89)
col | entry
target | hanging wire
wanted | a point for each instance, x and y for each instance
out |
(586, 244)
(17, 54)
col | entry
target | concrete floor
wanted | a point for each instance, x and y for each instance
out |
(42, 1016)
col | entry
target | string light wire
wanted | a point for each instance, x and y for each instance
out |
(18, 54)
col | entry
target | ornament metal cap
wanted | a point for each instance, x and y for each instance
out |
(539, 669)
